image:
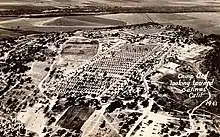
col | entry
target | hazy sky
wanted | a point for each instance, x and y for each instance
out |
(113, 2)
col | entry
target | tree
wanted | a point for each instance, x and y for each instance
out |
(47, 69)
(47, 135)
(23, 131)
(46, 109)
(145, 103)
(61, 132)
(68, 134)
(103, 124)
(44, 130)
(105, 74)
(31, 134)
(213, 134)
(52, 119)
(114, 105)
(194, 135)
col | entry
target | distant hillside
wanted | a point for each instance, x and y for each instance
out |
(211, 62)
(36, 11)
(71, 3)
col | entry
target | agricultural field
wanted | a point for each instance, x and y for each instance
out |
(6, 34)
(75, 117)
(22, 23)
(134, 18)
(207, 23)
(83, 21)
(51, 24)
(6, 18)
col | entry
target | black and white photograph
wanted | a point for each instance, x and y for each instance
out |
(109, 68)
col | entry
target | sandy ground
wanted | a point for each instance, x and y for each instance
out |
(146, 131)
(37, 71)
(33, 120)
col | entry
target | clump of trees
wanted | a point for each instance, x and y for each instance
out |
(114, 105)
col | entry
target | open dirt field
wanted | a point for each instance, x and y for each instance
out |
(37, 71)
(71, 59)
(34, 121)
(83, 21)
